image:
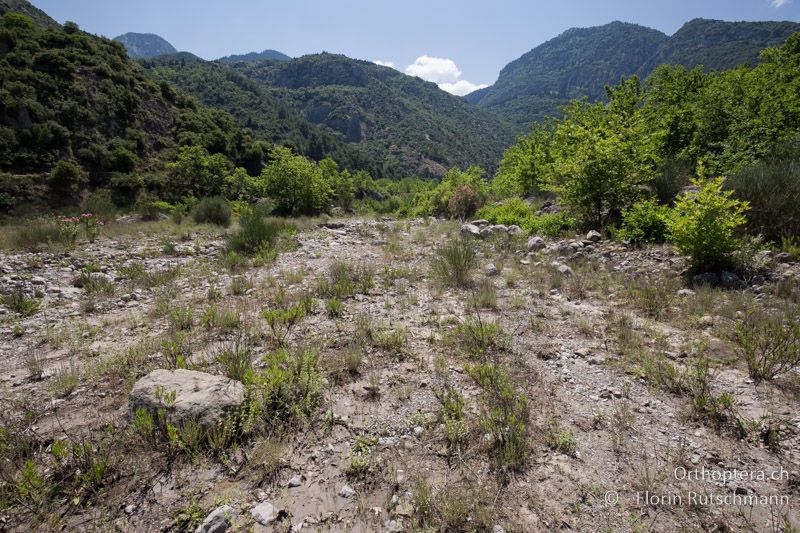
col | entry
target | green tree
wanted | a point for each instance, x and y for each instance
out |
(526, 165)
(67, 179)
(295, 183)
(198, 174)
(459, 194)
(603, 154)
(703, 223)
(340, 181)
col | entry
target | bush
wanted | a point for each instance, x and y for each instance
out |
(516, 212)
(256, 235)
(703, 223)
(645, 221)
(464, 202)
(41, 233)
(99, 203)
(214, 210)
(66, 178)
(453, 262)
(769, 343)
(772, 189)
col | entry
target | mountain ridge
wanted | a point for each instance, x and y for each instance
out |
(145, 45)
(581, 61)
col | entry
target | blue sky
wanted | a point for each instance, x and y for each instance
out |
(457, 44)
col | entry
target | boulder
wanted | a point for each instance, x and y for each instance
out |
(514, 230)
(203, 397)
(536, 243)
(479, 222)
(730, 280)
(594, 236)
(219, 521)
(471, 230)
(564, 270)
(501, 228)
(491, 270)
(706, 278)
(264, 513)
(486, 233)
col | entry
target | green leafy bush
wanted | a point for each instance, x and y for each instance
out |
(214, 210)
(515, 211)
(768, 342)
(703, 223)
(645, 221)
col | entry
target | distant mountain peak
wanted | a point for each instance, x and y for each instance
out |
(145, 45)
(256, 56)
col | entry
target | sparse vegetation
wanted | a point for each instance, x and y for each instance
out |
(452, 263)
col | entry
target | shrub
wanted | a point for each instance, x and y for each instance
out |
(67, 178)
(257, 236)
(236, 361)
(653, 296)
(452, 263)
(549, 224)
(513, 211)
(99, 203)
(20, 304)
(769, 343)
(214, 210)
(464, 202)
(41, 233)
(703, 223)
(289, 387)
(505, 416)
(645, 221)
(772, 190)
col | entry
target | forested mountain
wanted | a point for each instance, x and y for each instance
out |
(720, 45)
(68, 96)
(145, 45)
(37, 16)
(255, 56)
(409, 124)
(581, 61)
(255, 107)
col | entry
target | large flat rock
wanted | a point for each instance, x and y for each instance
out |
(198, 395)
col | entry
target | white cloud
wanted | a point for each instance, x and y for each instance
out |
(384, 63)
(444, 72)
(435, 69)
(780, 3)
(461, 87)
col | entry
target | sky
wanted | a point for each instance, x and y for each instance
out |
(461, 45)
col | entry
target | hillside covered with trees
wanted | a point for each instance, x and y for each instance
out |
(581, 61)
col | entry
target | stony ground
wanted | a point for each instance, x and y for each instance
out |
(576, 330)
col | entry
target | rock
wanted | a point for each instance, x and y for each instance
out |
(685, 292)
(730, 280)
(706, 321)
(536, 243)
(393, 526)
(491, 270)
(486, 233)
(480, 222)
(594, 236)
(514, 230)
(219, 521)
(198, 395)
(294, 482)
(264, 513)
(500, 228)
(783, 257)
(471, 230)
(706, 278)
(347, 492)
(564, 270)
(565, 250)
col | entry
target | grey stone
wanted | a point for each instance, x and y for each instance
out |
(783, 257)
(594, 236)
(564, 270)
(219, 521)
(491, 270)
(514, 230)
(347, 492)
(480, 222)
(685, 292)
(199, 396)
(264, 513)
(536, 243)
(294, 482)
(706, 278)
(730, 280)
(486, 233)
(471, 230)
